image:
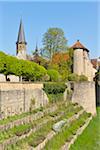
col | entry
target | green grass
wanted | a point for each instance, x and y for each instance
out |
(24, 128)
(12, 118)
(63, 111)
(90, 138)
(20, 116)
(17, 130)
(35, 138)
(67, 132)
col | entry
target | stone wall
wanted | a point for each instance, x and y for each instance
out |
(84, 95)
(16, 98)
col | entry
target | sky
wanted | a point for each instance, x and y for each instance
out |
(78, 19)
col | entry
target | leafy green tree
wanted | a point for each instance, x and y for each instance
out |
(54, 75)
(5, 64)
(2, 61)
(70, 53)
(54, 41)
(26, 69)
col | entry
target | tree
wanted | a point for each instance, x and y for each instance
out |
(54, 41)
(24, 68)
(59, 58)
(54, 75)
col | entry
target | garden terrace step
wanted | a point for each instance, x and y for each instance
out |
(48, 137)
(32, 117)
(20, 116)
(67, 133)
(79, 131)
(52, 133)
(27, 119)
(54, 119)
(12, 139)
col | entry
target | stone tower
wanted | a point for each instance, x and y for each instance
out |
(21, 43)
(80, 54)
(82, 64)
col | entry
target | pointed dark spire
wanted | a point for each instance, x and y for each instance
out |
(21, 34)
(36, 49)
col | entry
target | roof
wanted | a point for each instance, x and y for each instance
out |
(78, 45)
(21, 34)
(95, 63)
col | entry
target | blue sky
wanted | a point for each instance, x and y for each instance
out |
(79, 20)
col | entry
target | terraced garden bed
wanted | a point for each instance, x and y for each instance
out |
(92, 133)
(36, 138)
(34, 134)
(68, 131)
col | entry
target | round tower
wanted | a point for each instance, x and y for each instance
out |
(80, 58)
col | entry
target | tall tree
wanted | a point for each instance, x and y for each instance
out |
(54, 41)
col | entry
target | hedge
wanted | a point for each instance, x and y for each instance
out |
(54, 87)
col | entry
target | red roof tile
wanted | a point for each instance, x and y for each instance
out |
(78, 45)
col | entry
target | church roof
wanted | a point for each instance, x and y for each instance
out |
(21, 34)
(78, 45)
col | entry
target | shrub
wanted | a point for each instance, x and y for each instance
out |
(73, 77)
(54, 88)
(46, 78)
(54, 75)
(53, 98)
(83, 78)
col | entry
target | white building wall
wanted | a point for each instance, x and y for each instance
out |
(78, 61)
(2, 78)
(83, 65)
(13, 78)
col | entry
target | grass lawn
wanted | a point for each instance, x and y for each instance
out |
(90, 138)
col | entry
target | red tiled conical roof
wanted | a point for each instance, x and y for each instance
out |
(78, 45)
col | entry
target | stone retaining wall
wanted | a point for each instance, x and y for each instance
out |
(84, 95)
(16, 98)
(14, 139)
(28, 118)
(42, 145)
(52, 133)
(79, 131)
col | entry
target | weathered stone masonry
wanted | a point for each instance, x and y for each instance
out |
(84, 95)
(15, 98)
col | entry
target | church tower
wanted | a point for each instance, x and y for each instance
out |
(21, 43)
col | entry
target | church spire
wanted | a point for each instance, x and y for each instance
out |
(36, 49)
(21, 34)
(21, 43)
